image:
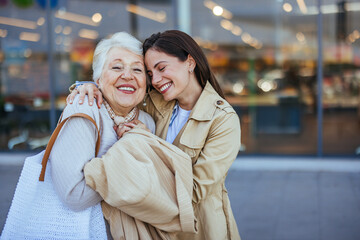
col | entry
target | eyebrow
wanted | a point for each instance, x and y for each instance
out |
(120, 60)
(158, 63)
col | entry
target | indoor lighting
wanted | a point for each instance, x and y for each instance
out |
(236, 30)
(40, 21)
(58, 29)
(246, 37)
(226, 24)
(3, 33)
(28, 36)
(18, 22)
(302, 6)
(155, 16)
(218, 10)
(287, 7)
(96, 17)
(89, 34)
(300, 37)
(67, 30)
(27, 53)
(238, 87)
(73, 17)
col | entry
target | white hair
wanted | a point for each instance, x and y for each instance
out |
(120, 39)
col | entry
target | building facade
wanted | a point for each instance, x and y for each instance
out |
(290, 68)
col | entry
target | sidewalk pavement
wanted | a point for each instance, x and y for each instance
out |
(273, 198)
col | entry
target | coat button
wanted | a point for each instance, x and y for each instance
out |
(219, 102)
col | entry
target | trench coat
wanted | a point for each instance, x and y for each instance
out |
(211, 137)
(146, 184)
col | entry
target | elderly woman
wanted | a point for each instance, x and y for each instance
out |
(118, 69)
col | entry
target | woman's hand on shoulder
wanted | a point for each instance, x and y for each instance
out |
(86, 89)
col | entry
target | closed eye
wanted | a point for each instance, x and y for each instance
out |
(138, 70)
(116, 68)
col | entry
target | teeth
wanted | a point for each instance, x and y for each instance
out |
(166, 86)
(126, 89)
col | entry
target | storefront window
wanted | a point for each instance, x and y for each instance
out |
(264, 54)
(341, 99)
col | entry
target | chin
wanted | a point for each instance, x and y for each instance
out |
(167, 98)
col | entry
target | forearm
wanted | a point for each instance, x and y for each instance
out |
(73, 148)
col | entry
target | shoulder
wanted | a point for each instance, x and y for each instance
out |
(147, 120)
(224, 113)
(75, 107)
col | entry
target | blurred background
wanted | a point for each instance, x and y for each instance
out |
(290, 68)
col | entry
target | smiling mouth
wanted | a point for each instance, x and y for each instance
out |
(126, 89)
(165, 87)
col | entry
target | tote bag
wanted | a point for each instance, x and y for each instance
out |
(36, 211)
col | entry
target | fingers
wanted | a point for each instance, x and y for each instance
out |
(71, 96)
(121, 130)
(137, 124)
(90, 93)
(99, 97)
(82, 92)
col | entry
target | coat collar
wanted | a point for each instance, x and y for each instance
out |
(202, 110)
(205, 106)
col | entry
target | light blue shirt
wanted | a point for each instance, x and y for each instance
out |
(178, 119)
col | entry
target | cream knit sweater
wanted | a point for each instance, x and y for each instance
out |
(75, 146)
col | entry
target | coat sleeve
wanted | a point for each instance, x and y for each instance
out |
(220, 150)
(144, 179)
(74, 147)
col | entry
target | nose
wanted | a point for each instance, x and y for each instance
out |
(126, 74)
(156, 78)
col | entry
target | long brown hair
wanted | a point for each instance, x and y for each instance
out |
(180, 45)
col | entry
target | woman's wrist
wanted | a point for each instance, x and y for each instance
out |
(79, 83)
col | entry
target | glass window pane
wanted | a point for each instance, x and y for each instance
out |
(264, 53)
(341, 97)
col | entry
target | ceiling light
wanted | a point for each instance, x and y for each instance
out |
(73, 17)
(89, 34)
(40, 21)
(302, 6)
(217, 10)
(96, 17)
(236, 30)
(155, 16)
(28, 36)
(18, 22)
(226, 24)
(67, 30)
(287, 7)
(3, 33)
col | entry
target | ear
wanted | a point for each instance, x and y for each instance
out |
(97, 81)
(191, 62)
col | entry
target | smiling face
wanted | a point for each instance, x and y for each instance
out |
(123, 80)
(168, 74)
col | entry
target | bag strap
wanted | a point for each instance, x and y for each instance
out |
(54, 136)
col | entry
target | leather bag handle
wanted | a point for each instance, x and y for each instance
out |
(54, 136)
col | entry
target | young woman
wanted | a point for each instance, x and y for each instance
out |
(190, 112)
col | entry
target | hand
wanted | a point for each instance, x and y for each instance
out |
(121, 130)
(137, 124)
(124, 128)
(86, 89)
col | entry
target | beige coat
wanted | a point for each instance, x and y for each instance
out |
(144, 179)
(211, 138)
